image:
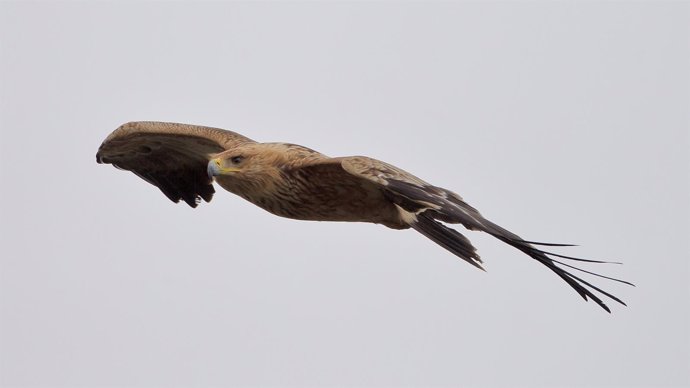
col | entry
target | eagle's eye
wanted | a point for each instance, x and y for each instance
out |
(237, 159)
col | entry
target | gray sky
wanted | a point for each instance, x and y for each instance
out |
(560, 121)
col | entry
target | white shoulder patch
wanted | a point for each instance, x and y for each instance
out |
(407, 217)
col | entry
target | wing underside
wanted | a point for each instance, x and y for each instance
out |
(170, 156)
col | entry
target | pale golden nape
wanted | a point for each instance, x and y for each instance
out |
(296, 182)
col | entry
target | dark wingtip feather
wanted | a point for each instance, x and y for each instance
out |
(548, 244)
(575, 282)
(590, 272)
(585, 289)
(577, 258)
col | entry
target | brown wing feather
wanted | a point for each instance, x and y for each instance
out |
(414, 196)
(170, 156)
(430, 203)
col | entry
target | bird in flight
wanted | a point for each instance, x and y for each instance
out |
(296, 182)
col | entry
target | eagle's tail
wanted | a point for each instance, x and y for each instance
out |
(448, 238)
(426, 223)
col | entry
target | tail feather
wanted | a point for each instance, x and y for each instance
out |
(424, 207)
(427, 225)
(448, 238)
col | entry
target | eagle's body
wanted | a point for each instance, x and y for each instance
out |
(296, 182)
(302, 197)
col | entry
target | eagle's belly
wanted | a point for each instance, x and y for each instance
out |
(347, 201)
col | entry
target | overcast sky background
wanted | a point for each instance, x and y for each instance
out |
(560, 121)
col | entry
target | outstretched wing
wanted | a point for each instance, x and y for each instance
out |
(170, 156)
(426, 204)
(418, 200)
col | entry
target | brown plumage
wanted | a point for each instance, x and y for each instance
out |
(296, 182)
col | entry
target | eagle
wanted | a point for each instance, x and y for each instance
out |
(296, 182)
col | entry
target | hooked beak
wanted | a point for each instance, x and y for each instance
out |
(215, 168)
